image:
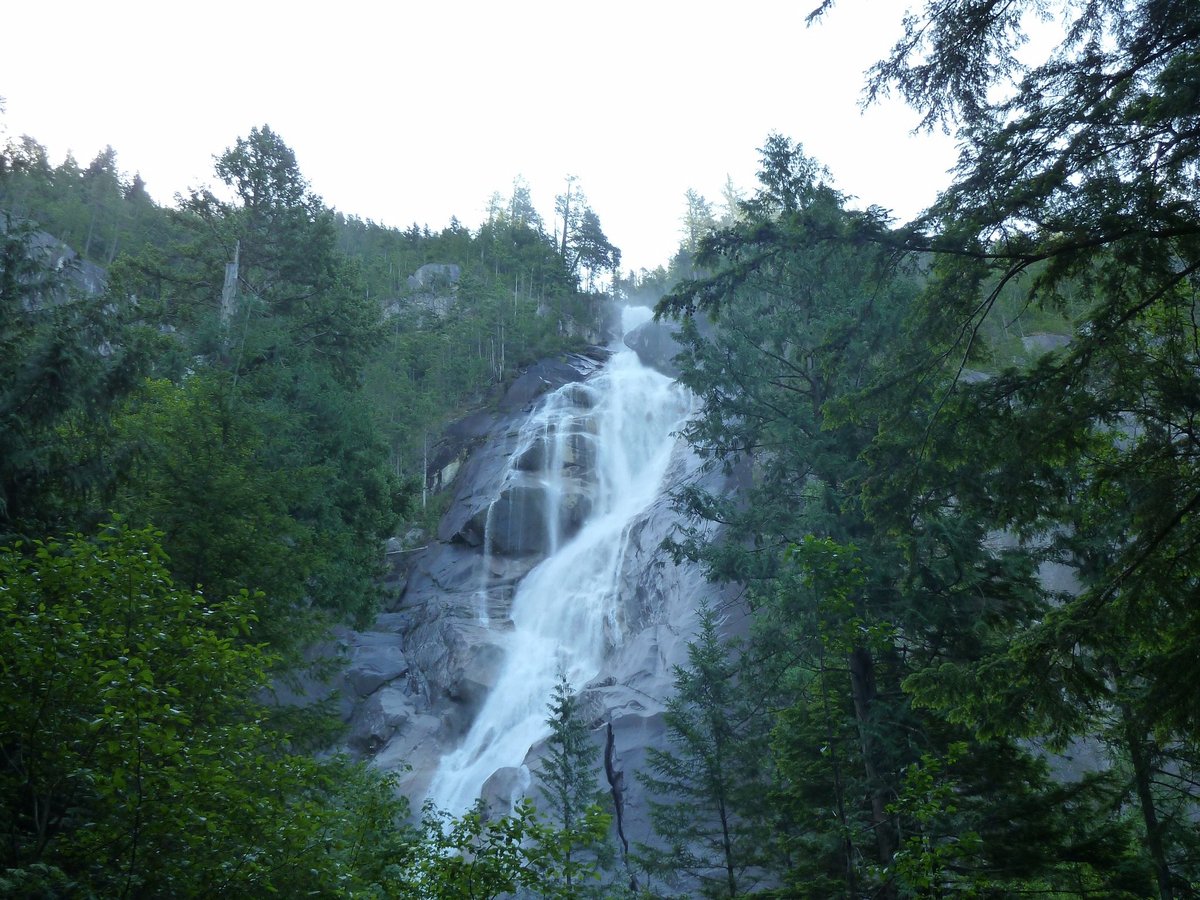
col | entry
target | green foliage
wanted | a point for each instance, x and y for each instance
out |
(37, 882)
(470, 857)
(263, 464)
(885, 606)
(211, 476)
(135, 761)
(99, 211)
(805, 632)
(567, 782)
(926, 863)
(1079, 180)
(294, 493)
(65, 360)
(266, 288)
(479, 856)
(307, 286)
(707, 788)
(238, 387)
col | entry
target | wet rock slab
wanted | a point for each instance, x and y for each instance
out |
(375, 659)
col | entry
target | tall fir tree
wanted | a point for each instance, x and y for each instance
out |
(578, 849)
(706, 788)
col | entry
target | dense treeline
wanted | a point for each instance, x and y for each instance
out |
(971, 557)
(969, 546)
(443, 342)
(202, 451)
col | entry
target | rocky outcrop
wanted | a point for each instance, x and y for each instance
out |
(433, 276)
(432, 289)
(378, 718)
(420, 676)
(657, 344)
(79, 277)
(375, 660)
(549, 374)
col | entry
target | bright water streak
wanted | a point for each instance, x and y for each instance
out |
(565, 611)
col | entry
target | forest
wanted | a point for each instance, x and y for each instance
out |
(967, 534)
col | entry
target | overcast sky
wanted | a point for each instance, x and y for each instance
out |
(404, 111)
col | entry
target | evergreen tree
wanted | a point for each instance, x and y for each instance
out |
(66, 360)
(708, 786)
(802, 319)
(26, 178)
(577, 849)
(103, 195)
(698, 220)
(1078, 178)
(799, 379)
(137, 761)
(591, 249)
(297, 495)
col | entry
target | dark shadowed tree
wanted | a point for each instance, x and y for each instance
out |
(707, 785)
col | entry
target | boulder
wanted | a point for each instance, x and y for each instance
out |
(377, 718)
(656, 346)
(412, 753)
(472, 664)
(434, 275)
(444, 568)
(375, 659)
(503, 787)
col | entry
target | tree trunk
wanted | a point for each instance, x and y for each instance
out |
(862, 687)
(562, 249)
(1139, 756)
(839, 791)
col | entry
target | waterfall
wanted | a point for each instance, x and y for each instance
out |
(598, 452)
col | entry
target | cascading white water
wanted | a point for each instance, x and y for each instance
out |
(565, 611)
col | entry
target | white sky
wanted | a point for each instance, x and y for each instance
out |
(404, 111)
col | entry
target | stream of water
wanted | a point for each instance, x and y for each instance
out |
(605, 444)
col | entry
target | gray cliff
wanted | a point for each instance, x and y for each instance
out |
(414, 683)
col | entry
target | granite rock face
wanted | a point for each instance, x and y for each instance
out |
(656, 346)
(656, 343)
(80, 277)
(433, 275)
(419, 678)
(375, 659)
(448, 628)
